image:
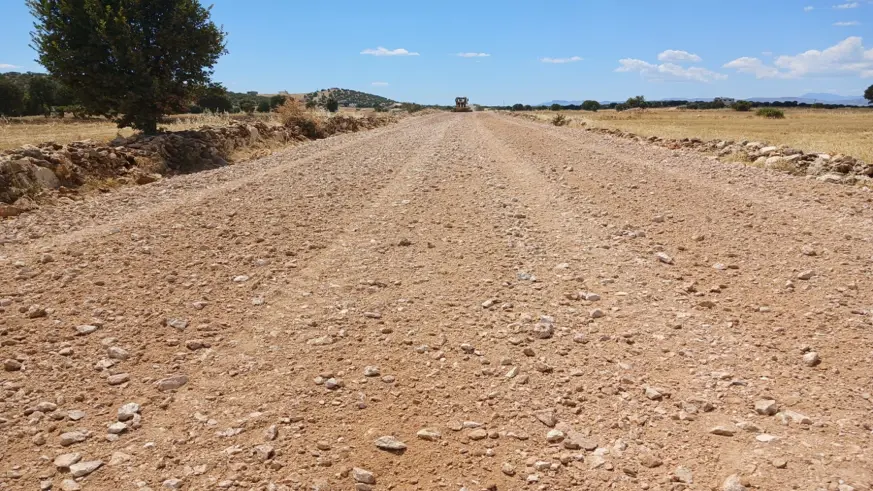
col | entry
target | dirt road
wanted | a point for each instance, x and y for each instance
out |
(522, 306)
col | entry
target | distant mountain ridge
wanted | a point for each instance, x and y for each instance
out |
(810, 98)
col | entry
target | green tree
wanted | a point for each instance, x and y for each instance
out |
(214, 98)
(331, 105)
(277, 100)
(139, 59)
(11, 98)
(247, 105)
(590, 105)
(518, 107)
(638, 101)
(555, 107)
(868, 94)
(742, 106)
(264, 107)
(41, 95)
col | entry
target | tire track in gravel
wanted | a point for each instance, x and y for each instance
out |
(600, 183)
(103, 214)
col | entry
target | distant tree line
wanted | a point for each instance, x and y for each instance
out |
(641, 102)
(34, 94)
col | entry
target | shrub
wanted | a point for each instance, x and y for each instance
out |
(771, 112)
(276, 101)
(247, 105)
(590, 105)
(195, 109)
(331, 105)
(560, 120)
(295, 115)
(264, 107)
(555, 107)
(742, 106)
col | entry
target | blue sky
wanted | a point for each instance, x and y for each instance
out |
(536, 51)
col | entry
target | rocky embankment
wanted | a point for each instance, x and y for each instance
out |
(28, 172)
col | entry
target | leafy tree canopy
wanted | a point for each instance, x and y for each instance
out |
(137, 59)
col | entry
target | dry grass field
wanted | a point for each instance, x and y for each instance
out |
(16, 132)
(848, 131)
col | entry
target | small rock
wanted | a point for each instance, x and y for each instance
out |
(811, 359)
(116, 353)
(66, 460)
(370, 371)
(333, 384)
(649, 460)
(390, 443)
(240, 279)
(128, 411)
(363, 476)
(76, 415)
(118, 378)
(179, 324)
(723, 431)
(70, 485)
(117, 428)
(780, 463)
(684, 474)
(11, 365)
(766, 407)
(271, 433)
(555, 436)
(429, 434)
(547, 417)
(805, 275)
(596, 314)
(172, 483)
(477, 434)
(653, 394)
(264, 452)
(85, 329)
(507, 469)
(81, 469)
(171, 383)
(664, 258)
(733, 483)
(72, 437)
(118, 458)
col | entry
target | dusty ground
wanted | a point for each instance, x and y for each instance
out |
(492, 280)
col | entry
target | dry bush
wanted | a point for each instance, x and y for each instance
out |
(308, 123)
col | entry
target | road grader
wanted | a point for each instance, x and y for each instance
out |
(461, 105)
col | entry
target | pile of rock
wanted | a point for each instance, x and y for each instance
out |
(836, 168)
(27, 171)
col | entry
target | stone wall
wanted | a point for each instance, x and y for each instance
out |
(28, 171)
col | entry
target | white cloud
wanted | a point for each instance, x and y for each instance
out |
(848, 5)
(848, 57)
(808, 9)
(379, 84)
(380, 51)
(571, 59)
(847, 23)
(473, 55)
(668, 71)
(678, 56)
(7, 66)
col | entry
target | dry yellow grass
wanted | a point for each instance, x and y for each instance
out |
(16, 132)
(847, 131)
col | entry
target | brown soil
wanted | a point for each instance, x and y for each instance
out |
(430, 249)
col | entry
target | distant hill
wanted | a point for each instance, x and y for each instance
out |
(812, 98)
(347, 96)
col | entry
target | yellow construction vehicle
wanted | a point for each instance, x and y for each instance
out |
(461, 105)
